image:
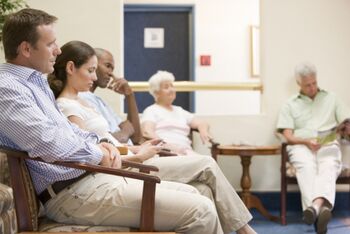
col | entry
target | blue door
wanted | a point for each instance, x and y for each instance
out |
(176, 55)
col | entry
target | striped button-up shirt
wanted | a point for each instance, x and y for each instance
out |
(31, 121)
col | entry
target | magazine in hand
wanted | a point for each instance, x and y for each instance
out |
(344, 129)
(326, 137)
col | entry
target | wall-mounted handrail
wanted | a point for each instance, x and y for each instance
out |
(189, 86)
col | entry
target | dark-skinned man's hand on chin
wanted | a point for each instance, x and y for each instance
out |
(119, 85)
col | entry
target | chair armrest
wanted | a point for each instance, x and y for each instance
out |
(284, 157)
(284, 153)
(211, 140)
(281, 137)
(166, 153)
(148, 193)
(142, 167)
(91, 167)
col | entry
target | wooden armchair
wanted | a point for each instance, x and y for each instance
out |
(288, 177)
(193, 132)
(27, 205)
(8, 223)
(213, 144)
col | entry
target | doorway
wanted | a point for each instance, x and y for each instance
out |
(172, 48)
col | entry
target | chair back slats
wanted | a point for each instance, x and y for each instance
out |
(33, 201)
(24, 219)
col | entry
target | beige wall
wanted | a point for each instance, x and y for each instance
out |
(98, 23)
(87, 20)
(291, 31)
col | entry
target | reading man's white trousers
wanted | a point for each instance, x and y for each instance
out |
(316, 172)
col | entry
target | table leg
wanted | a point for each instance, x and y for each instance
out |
(250, 200)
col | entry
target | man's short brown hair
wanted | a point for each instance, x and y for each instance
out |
(22, 26)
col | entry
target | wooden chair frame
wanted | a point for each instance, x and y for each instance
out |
(16, 159)
(213, 147)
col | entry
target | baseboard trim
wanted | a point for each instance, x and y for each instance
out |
(271, 200)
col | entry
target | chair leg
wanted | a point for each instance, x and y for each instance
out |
(349, 196)
(284, 156)
(283, 202)
(148, 207)
(214, 151)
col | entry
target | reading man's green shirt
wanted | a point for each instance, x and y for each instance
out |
(306, 116)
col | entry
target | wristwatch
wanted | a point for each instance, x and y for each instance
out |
(105, 140)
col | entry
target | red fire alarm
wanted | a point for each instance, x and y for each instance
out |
(205, 60)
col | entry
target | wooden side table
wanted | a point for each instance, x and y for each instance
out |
(246, 152)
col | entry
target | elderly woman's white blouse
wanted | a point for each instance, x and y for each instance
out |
(173, 126)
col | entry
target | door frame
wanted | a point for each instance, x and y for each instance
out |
(190, 9)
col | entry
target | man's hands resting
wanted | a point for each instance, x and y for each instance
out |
(313, 145)
(111, 156)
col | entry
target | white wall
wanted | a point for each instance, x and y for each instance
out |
(291, 31)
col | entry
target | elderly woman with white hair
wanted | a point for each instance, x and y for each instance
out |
(169, 122)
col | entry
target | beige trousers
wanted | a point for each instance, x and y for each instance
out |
(316, 172)
(205, 174)
(101, 199)
(108, 200)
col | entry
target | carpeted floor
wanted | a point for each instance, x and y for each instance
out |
(340, 224)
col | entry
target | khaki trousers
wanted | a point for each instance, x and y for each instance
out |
(316, 172)
(101, 199)
(205, 174)
(107, 200)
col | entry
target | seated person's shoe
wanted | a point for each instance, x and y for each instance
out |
(323, 219)
(309, 215)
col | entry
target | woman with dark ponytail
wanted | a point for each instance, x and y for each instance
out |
(74, 55)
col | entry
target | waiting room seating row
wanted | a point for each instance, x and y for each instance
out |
(27, 218)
